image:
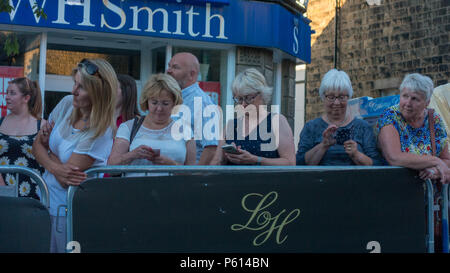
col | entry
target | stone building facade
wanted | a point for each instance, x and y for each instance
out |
(377, 45)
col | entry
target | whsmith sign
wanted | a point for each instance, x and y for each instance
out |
(248, 23)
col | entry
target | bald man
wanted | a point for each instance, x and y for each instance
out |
(184, 68)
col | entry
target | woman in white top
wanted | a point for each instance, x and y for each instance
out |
(157, 141)
(80, 137)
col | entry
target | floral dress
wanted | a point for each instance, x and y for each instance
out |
(16, 150)
(414, 140)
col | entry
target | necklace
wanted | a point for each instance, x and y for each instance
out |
(334, 123)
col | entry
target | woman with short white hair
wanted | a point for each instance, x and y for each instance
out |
(336, 138)
(256, 136)
(404, 134)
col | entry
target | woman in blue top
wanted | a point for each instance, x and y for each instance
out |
(404, 134)
(258, 136)
(336, 138)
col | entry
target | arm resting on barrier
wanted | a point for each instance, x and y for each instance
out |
(389, 142)
(2, 182)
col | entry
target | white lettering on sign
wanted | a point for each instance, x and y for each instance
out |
(214, 24)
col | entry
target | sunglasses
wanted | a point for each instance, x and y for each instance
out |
(90, 68)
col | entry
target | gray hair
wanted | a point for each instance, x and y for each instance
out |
(418, 83)
(252, 81)
(335, 80)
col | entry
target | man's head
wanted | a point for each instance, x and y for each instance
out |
(184, 68)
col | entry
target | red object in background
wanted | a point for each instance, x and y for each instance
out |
(212, 89)
(7, 73)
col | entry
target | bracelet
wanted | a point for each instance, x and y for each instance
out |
(258, 162)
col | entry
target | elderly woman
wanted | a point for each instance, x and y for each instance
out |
(81, 137)
(18, 131)
(256, 136)
(150, 141)
(336, 138)
(404, 131)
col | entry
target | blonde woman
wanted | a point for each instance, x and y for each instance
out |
(153, 142)
(80, 137)
(18, 131)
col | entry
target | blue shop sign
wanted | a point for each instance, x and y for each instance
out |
(246, 23)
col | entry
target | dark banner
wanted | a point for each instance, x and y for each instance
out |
(24, 226)
(314, 211)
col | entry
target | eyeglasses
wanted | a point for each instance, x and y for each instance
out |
(332, 98)
(90, 68)
(248, 99)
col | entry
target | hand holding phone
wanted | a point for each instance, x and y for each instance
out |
(230, 149)
(342, 135)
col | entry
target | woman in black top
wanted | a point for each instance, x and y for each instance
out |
(257, 136)
(18, 131)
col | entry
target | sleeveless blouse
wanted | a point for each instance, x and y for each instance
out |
(16, 150)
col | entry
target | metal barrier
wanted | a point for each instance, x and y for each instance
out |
(13, 191)
(445, 229)
(25, 223)
(206, 180)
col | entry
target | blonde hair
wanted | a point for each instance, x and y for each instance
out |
(252, 81)
(102, 89)
(156, 85)
(30, 88)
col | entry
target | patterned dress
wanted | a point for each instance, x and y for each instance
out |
(16, 150)
(414, 140)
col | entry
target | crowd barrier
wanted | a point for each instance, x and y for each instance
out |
(24, 222)
(224, 209)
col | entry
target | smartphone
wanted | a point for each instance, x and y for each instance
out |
(157, 152)
(342, 135)
(230, 149)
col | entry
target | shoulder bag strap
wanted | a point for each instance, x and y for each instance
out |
(432, 135)
(136, 125)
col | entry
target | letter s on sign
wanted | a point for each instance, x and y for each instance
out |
(374, 246)
(295, 44)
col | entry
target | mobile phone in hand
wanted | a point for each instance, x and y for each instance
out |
(230, 149)
(157, 152)
(342, 135)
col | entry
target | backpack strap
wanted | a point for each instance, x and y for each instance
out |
(39, 124)
(136, 125)
(1, 120)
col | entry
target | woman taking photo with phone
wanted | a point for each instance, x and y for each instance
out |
(256, 136)
(336, 138)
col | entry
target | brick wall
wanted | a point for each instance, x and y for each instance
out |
(378, 45)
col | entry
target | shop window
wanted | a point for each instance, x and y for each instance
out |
(210, 66)
(61, 59)
(52, 98)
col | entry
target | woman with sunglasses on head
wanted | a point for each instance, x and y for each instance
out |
(256, 136)
(18, 131)
(151, 140)
(336, 138)
(80, 136)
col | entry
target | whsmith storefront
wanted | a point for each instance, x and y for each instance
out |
(139, 37)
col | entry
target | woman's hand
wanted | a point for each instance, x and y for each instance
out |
(144, 152)
(243, 158)
(429, 173)
(351, 148)
(327, 136)
(45, 131)
(69, 175)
